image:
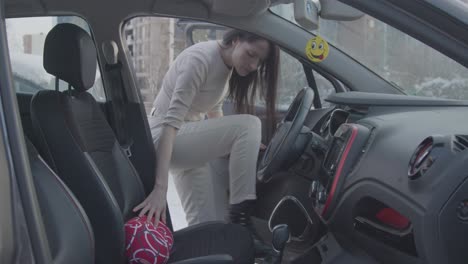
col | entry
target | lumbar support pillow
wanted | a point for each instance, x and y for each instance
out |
(147, 243)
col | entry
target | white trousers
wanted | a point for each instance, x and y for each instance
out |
(204, 191)
(214, 164)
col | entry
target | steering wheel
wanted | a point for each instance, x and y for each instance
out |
(281, 146)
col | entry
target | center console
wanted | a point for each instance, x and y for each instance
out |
(345, 148)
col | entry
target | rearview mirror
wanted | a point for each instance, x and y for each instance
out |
(335, 10)
(306, 14)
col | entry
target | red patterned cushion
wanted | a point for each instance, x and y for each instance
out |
(147, 243)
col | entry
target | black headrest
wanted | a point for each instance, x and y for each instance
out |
(70, 55)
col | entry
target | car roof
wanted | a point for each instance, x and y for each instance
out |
(124, 8)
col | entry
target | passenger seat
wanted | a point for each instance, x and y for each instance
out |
(73, 134)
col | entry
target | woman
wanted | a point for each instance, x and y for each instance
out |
(194, 88)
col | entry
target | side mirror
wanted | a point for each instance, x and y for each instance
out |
(335, 10)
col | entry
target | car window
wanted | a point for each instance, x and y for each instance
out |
(292, 79)
(25, 86)
(407, 63)
(26, 38)
(154, 42)
(151, 50)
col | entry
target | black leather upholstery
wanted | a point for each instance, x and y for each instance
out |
(73, 134)
(213, 238)
(68, 230)
(213, 259)
(70, 55)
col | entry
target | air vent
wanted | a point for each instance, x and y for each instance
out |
(460, 143)
(421, 159)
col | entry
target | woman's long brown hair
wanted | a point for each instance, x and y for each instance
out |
(243, 90)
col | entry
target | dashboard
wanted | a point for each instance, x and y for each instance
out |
(394, 178)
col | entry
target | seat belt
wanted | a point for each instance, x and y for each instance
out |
(118, 98)
(119, 101)
(313, 84)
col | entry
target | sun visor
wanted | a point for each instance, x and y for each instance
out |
(240, 8)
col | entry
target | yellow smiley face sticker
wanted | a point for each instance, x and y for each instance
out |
(317, 49)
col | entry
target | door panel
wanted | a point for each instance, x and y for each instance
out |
(23, 240)
(6, 222)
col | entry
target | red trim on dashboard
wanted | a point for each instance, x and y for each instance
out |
(393, 218)
(340, 169)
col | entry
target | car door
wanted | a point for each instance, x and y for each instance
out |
(154, 42)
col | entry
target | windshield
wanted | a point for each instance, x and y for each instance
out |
(409, 64)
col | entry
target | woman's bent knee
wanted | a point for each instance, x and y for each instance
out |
(250, 122)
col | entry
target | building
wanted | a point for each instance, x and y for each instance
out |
(34, 43)
(150, 42)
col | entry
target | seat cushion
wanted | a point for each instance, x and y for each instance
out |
(213, 238)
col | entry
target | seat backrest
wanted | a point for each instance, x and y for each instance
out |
(73, 134)
(67, 227)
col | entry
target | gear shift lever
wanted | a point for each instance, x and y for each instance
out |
(281, 236)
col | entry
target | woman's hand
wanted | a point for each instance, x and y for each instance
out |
(154, 205)
(262, 147)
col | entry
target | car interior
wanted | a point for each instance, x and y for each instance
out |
(364, 173)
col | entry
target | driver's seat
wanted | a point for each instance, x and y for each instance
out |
(76, 140)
